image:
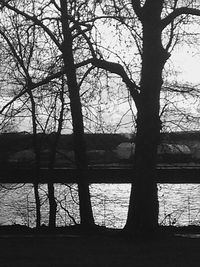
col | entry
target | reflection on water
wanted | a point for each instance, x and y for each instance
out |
(110, 204)
(179, 204)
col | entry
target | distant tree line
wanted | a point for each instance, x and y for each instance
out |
(13, 142)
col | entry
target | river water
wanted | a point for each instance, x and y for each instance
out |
(179, 204)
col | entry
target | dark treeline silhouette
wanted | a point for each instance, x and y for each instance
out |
(13, 142)
(100, 147)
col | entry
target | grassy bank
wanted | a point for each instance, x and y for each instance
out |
(55, 250)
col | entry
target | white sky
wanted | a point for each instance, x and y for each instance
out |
(188, 64)
(185, 61)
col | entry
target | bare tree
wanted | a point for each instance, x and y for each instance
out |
(153, 19)
(61, 38)
(22, 63)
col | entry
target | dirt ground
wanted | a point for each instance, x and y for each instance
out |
(60, 250)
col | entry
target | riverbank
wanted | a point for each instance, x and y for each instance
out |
(56, 250)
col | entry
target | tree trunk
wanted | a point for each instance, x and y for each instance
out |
(52, 204)
(37, 158)
(54, 144)
(36, 189)
(37, 202)
(86, 215)
(36, 184)
(144, 208)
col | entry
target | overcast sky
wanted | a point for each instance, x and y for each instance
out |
(187, 62)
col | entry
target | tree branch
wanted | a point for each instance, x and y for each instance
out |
(119, 70)
(32, 87)
(177, 12)
(137, 8)
(34, 19)
(14, 52)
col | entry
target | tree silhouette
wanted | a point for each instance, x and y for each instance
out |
(60, 39)
(147, 22)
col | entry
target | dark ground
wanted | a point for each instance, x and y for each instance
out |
(55, 250)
